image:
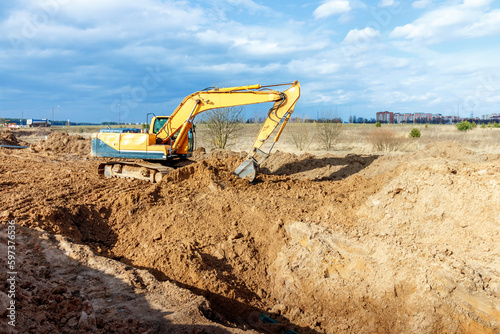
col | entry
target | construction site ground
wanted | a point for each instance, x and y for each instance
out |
(350, 243)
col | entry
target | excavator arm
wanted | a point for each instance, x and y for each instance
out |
(278, 115)
(183, 116)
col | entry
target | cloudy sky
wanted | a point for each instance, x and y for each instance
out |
(350, 56)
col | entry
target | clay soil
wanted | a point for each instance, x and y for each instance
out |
(359, 243)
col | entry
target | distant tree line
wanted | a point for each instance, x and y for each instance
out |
(361, 120)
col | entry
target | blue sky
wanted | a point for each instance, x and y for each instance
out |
(351, 57)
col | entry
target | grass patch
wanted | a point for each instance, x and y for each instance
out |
(386, 140)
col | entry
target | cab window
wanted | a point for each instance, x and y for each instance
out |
(159, 122)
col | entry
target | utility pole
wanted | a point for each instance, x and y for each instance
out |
(53, 114)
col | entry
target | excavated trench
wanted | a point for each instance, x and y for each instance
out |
(216, 235)
(355, 244)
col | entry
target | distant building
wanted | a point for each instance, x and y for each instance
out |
(399, 118)
(385, 117)
(409, 118)
(421, 118)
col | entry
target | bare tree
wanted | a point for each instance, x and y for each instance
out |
(329, 130)
(301, 135)
(223, 124)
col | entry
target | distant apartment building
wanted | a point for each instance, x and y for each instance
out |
(420, 118)
(409, 118)
(399, 118)
(385, 117)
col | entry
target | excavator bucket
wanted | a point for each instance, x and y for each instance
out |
(247, 169)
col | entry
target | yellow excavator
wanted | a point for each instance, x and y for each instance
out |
(170, 139)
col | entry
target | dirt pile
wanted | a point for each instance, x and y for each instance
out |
(61, 142)
(355, 244)
(310, 167)
(32, 132)
(64, 287)
(448, 150)
(201, 154)
(9, 138)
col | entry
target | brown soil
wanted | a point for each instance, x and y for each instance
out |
(63, 287)
(355, 244)
(9, 138)
(61, 142)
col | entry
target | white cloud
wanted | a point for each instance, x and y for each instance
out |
(223, 10)
(89, 22)
(363, 36)
(421, 4)
(261, 41)
(235, 68)
(359, 42)
(250, 5)
(477, 3)
(332, 7)
(488, 24)
(386, 3)
(470, 19)
(317, 66)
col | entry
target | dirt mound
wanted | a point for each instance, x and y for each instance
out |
(286, 163)
(61, 142)
(28, 132)
(205, 172)
(355, 244)
(448, 150)
(444, 151)
(64, 287)
(9, 138)
(310, 167)
(200, 154)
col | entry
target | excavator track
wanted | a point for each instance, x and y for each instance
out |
(135, 170)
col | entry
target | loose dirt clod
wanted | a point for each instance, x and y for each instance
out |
(355, 244)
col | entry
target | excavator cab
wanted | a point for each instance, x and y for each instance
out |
(157, 123)
(158, 128)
